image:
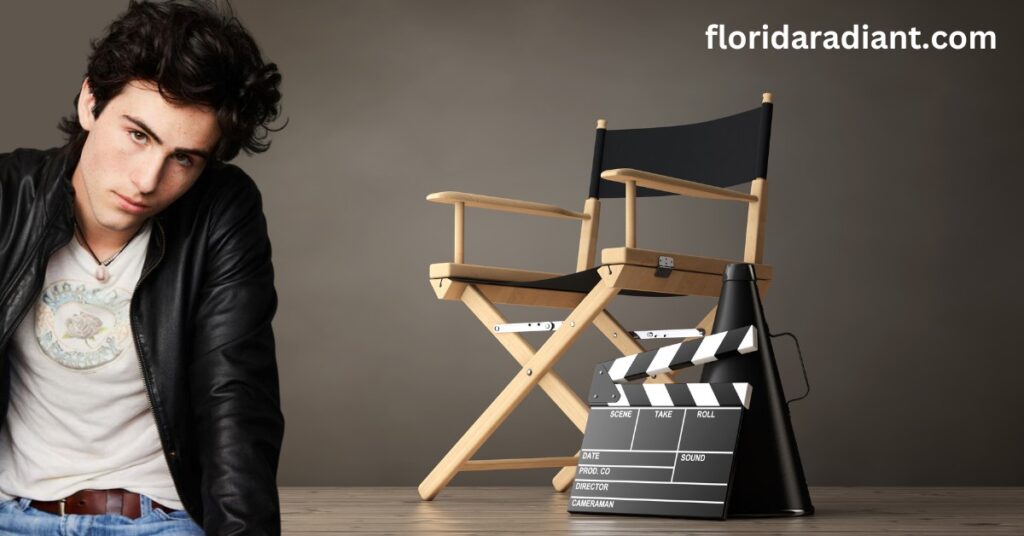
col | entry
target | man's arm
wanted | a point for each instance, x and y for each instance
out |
(233, 377)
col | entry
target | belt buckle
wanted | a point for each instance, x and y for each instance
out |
(61, 503)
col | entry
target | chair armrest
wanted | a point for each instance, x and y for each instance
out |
(507, 205)
(673, 185)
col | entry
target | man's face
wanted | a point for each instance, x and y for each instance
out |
(142, 153)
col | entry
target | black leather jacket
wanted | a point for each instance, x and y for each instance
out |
(200, 317)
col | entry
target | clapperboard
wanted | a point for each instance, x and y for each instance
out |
(662, 449)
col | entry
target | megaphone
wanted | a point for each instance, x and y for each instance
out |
(768, 478)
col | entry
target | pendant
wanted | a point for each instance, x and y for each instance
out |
(101, 273)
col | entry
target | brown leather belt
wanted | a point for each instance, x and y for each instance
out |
(98, 502)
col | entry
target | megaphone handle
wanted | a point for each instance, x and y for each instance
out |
(807, 382)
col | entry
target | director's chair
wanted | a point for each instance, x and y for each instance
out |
(700, 160)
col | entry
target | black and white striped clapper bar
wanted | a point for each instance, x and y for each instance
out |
(662, 449)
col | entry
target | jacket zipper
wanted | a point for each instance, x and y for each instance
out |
(169, 454)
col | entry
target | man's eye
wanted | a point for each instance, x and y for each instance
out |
(183, 159)
(138, 137)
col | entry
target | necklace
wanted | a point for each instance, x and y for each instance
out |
(101, 272)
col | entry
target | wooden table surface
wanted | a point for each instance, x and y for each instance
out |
(539, 510)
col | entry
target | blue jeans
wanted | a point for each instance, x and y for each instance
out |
(18, 518)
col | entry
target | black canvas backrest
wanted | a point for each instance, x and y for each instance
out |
(722, 152)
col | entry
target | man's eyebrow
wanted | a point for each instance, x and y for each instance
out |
(145, 128)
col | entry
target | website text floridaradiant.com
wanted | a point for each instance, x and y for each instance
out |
(859, 37)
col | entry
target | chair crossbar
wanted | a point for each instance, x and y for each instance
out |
(520, 463)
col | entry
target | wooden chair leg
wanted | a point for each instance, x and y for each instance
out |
(560, 393)
(709, 320)
(616, 334)
(619, 337)
(564, 478)
(553, 385)
(501, 407)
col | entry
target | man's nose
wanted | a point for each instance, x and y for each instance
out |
(147, 176)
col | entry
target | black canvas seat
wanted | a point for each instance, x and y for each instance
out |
(578, 282)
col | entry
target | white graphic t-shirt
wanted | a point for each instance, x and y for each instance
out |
(79, 415)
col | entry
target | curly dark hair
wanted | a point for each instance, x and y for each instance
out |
(195, 53)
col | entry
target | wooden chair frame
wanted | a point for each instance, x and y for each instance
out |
(624, 268)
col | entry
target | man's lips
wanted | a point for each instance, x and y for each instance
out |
(130, 205)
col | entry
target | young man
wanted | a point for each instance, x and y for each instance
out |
(138, 381)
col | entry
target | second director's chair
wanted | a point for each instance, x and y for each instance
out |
(698, 160)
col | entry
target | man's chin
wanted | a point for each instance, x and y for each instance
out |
(120, 223)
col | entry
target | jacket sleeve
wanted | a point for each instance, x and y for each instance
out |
(233, 379)
(7, 170)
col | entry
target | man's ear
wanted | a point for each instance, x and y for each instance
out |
(86, 103)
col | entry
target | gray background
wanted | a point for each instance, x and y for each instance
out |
(895, 193)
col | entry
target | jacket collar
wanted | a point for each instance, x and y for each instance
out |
(61, 209)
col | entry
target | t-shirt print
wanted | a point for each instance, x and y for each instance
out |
(82, 326)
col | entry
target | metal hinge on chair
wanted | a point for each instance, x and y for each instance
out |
(665, 266)
(667, 334)
(522, 327)
(525, 327)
